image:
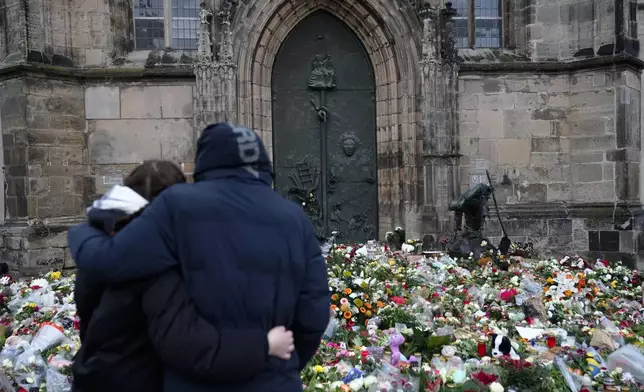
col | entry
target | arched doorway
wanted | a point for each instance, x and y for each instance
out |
(324, 127)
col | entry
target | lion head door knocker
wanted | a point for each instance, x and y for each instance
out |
(349, 144)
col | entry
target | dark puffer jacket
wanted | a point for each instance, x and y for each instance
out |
(250, 258)
(129, 330)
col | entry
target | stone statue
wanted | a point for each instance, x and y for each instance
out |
(473, 205)
(204, 42)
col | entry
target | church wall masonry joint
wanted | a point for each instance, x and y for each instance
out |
(425, 99)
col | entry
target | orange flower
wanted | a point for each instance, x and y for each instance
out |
(367, 305)
(334, 308)
(347, 315)
(568, 293)
(334, 297)
(546, 289)
(347, 291)
(366, 296)
(362, 310)
(380, 304)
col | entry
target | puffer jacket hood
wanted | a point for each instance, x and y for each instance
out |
(231, 148)
(117, 203)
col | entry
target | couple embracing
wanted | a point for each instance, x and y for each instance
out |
(218, 285)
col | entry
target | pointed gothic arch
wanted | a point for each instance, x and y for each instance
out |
(386, 29)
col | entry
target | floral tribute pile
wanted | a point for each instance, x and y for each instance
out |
(407, 322)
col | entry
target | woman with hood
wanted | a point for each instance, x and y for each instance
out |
(130, 330)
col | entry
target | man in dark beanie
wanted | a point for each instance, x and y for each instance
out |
(250, 258)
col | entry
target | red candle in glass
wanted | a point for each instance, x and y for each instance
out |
(481, 349)
(551, 341)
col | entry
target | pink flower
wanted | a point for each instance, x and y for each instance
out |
(398, 300)
(508, 295)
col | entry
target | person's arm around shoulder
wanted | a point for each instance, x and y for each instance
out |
(312, 309)
(190, 345)
(142, 249)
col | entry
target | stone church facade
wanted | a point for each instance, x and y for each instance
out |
(384, 110)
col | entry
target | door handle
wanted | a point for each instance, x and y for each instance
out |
(322, 111)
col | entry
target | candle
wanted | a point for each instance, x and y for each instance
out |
(551, 341)
(481, 348)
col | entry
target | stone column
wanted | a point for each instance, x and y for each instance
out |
(440, 117)
(215, 74)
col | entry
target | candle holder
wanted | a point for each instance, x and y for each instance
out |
(481, 348)
(551, 341)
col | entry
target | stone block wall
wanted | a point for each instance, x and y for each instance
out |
(564, 152)
(565, 30)
(46, 177)
(127, 124)
(65, 143)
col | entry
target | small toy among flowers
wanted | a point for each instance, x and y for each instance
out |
(406, 322)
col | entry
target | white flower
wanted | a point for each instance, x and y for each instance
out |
(356, 384)
(5, 280)
(42, 283)
(483, 243)
(369, 381)
(619, 370)
(496, 387)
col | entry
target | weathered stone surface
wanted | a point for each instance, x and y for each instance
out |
(102, 102)
(140, 102)
(133, 141)
(553, 136)
(176, 101)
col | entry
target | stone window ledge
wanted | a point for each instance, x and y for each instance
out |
(506, 61)
(113, 73)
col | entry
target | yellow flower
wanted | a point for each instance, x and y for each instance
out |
(363, 285)
(368, 313)
(358, 302)
(318, 369)
(32, 305)
(55, 275)
(613, 284)
(347, 274)
(392, 262)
